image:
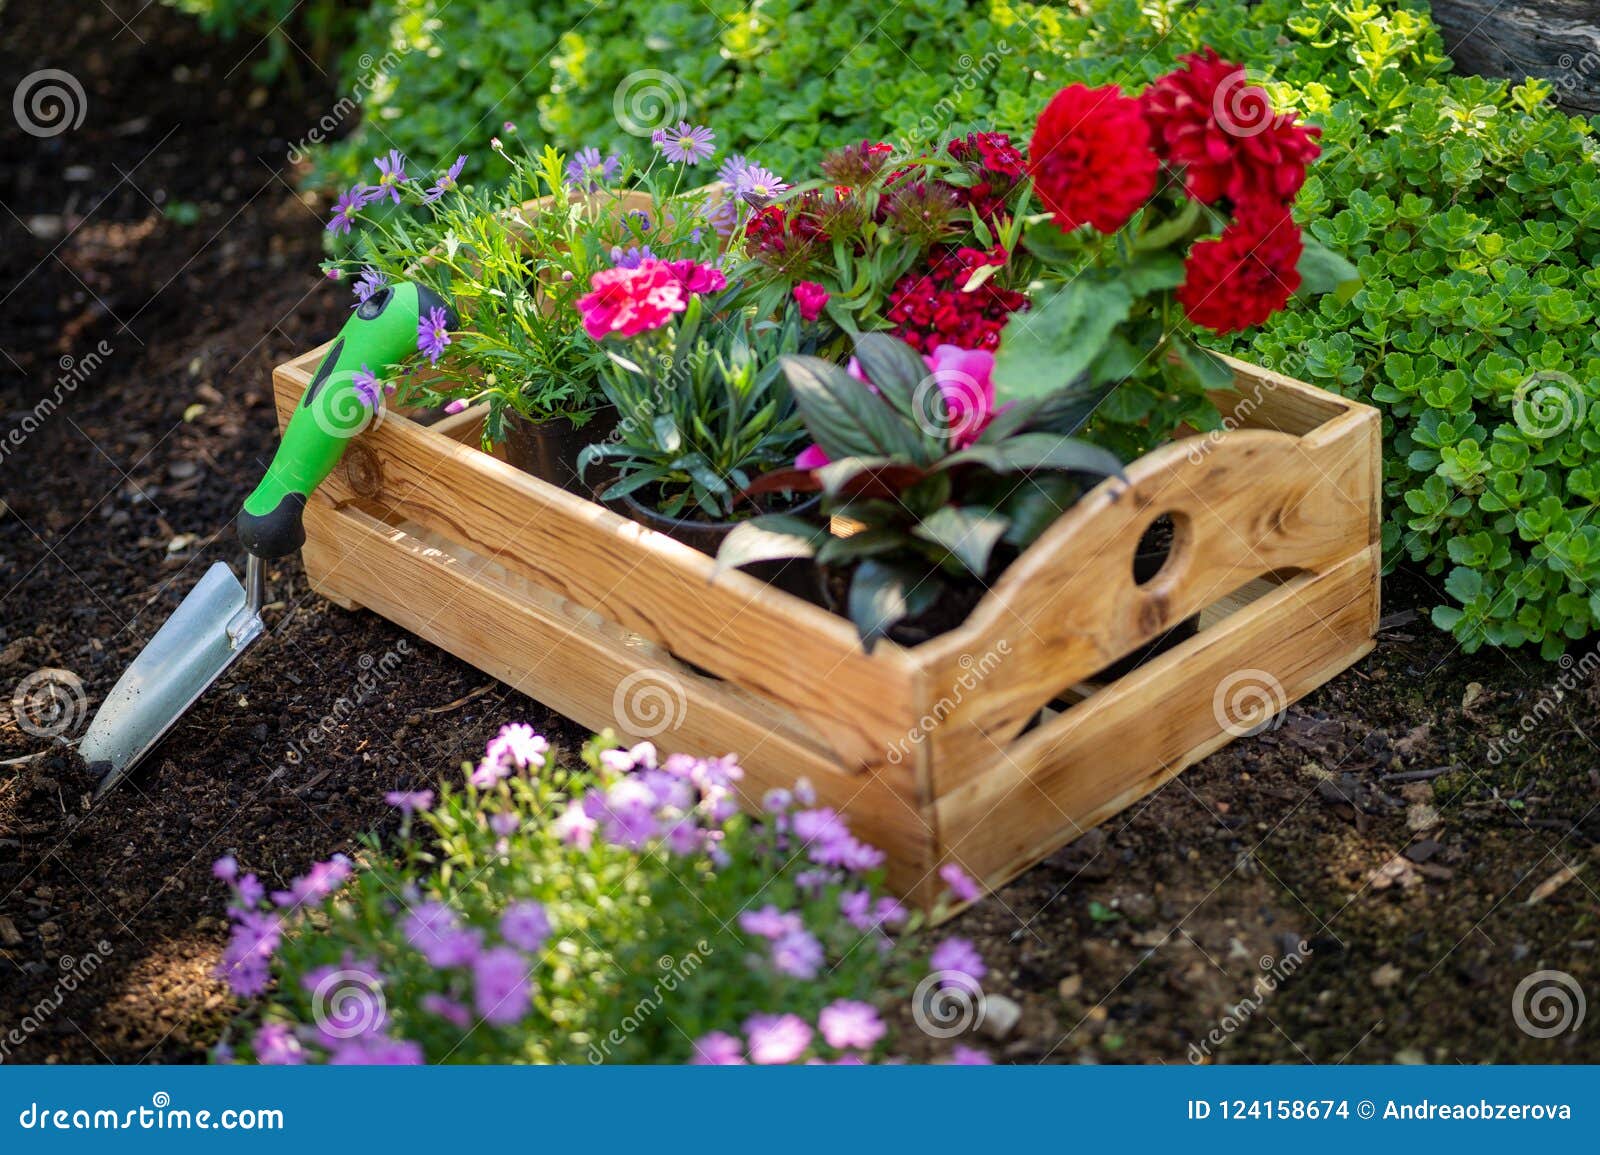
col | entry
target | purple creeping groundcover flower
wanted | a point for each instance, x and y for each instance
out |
(970, 1057)
(525, 925)
(776, 1039)
(392, 174)
(408, 802)
(797, 954)
(447, 1009)
(588, 171)
(686, 144)
(346, 207)
(500, 986)
(376, 1051)
(446, 181)
(276, 1046)
(316, 884)
(433, 333)
(717, 1049)
(431, 928)
(770, 922)
(960, 882)
(368, 283)
(850, 1024)
(959, 956)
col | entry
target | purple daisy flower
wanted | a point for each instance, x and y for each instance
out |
(446, 181)
(525, 925)
(777, 1038)
(717, 1049)
(848, 1023)
(392, 174)
(350, 202)
(758, 186)
(733, 169)
(686, 144)
(433, 333)
(588, 171)
(369, 389)
(369, 283)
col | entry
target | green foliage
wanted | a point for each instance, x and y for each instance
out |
(702, 410)
(933, 511)
(643, 951)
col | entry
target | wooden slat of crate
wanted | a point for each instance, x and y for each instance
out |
(1134, 735)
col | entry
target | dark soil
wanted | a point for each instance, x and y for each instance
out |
(1376, 823)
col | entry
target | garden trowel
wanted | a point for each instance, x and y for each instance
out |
(220, 618)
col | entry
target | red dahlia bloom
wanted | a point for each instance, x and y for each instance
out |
(1091, 159)
(1244, 276)
(1210, 121)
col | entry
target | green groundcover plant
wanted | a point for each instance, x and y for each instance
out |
(1471, 206)
(621, 911)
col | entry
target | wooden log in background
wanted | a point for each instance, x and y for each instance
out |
(1555, 40)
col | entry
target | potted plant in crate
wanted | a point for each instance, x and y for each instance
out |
(514, 260)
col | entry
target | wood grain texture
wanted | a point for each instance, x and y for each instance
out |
(924, 749)
(1556, 40)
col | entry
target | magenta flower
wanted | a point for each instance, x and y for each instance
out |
(500, 986)
(433, 333)
(811, 297)
(575, 827)
(717, 1049)
(276, 1046)
(960, 882)
(408, 802)
(776, 1039)
(391, 175)
(698, 278)
(958, 957)
(588, 171)
(686, 144)
(626, 302)
(848, 1023)
(525, 925)
(350, 202)
(811, 457)
(966, 389)
(797, 954)
(446, 181)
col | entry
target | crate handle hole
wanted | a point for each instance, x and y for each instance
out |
(1162, 550)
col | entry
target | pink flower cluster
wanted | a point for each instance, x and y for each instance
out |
(681, 802)
(849, 1027)
(258, 929)
(626, 302)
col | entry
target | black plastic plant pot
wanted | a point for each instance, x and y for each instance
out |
(794, 575)
(549, 450)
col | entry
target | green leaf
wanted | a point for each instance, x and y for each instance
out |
(1045, 348)
(1152, 272)
(1324, 271)
(969, 533)
(882, 594)
(777, 535)
(898, 371)
(844, 416)
(1039, 451)
(1210, 370)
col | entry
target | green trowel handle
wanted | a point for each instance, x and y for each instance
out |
(381, 332)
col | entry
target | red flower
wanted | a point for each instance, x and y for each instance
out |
(1244, 276)
(698, 278)
(996, 167)
(932, 308)
(1090, 158)
(1209, 120)
(628, 302)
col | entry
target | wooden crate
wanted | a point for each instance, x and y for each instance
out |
(950, 750)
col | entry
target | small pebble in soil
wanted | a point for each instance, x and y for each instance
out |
(1000, 1016)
